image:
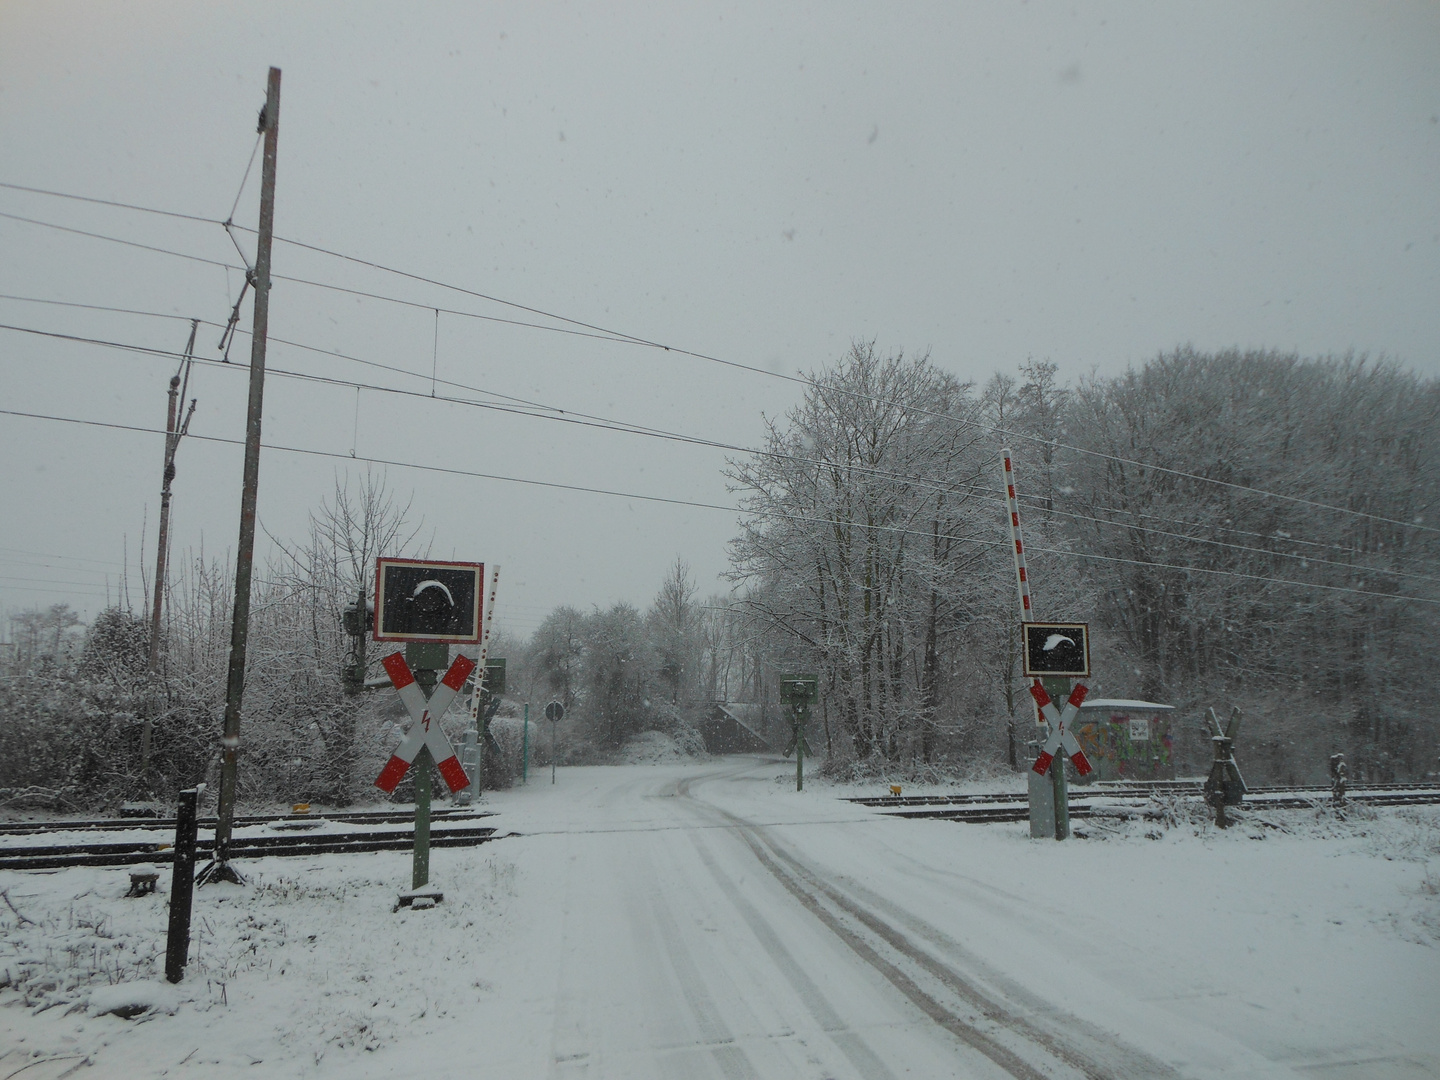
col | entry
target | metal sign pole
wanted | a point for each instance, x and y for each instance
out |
(553, 712)
(1048, 809)
(420, 862)
(798, 691)
(525, 747)
(799, 751)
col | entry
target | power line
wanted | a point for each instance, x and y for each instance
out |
(47, 581)
(1307, 559)
(621, 337)
(580, 488)
(113, 203)
(604, 424)
(118, 240)
(51, 591)
(638, 429)
(99, 307)
(52, 555)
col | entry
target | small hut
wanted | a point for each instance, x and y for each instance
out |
(1127, 739)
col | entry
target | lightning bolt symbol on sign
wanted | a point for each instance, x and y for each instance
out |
(423, 733)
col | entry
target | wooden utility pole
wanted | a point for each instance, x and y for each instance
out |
(219, 868)
(174, 429)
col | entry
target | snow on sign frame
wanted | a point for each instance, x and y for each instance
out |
(1056, 649)
(425, 600)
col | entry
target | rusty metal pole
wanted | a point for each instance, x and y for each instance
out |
(167, 477)
(220, 868)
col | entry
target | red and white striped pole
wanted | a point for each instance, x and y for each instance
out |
(475, 782)
(484, 643)
(1022, 577)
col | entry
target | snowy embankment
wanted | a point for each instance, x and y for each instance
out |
(641, 925)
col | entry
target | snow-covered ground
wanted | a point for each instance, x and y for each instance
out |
(704, 919)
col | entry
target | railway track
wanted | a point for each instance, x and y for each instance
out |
(449, 829)
(355, 817)
(1136, 801)
(1141, 790)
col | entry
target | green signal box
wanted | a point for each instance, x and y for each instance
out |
(495, 676)
(798, 689)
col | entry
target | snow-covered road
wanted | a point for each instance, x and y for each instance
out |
(705, 920)
(699, 938)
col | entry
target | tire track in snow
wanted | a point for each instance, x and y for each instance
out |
(732, 1060)
(873, 938)
(858, 1052)
(1103, 1050)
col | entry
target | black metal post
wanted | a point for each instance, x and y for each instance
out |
(182, 886)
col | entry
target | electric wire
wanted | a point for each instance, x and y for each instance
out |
(119, 240)
(113, 203)
(982, 494)
(1035, 501)
(742, 511)
(622, 337)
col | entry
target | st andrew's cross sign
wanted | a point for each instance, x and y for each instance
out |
(1060, 736)
(425, 715)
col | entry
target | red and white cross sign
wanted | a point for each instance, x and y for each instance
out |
(1060, 733)
(426, 714)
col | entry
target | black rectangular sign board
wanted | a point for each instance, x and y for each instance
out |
(1057, 649)
(797, 689)
(420, 600)
(495, 675)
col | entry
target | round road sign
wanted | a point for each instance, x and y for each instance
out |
(554, 711)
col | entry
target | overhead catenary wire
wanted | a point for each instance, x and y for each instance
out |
(983, 491)
(978, 492)
(742, 511)
(591, 329)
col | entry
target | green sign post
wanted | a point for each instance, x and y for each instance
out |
(799, 692)
(426, 659)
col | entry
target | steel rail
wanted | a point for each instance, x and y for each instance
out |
(361, 817)
(53, 857)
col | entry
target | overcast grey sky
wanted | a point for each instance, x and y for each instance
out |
(762, 183)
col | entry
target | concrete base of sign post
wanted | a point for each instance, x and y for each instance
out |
(420, 899)
(1042, 801)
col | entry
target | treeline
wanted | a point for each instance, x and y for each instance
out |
(78, 708)
(1241, 528)
(1250, 529)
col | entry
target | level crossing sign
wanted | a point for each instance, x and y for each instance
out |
(1052, 648)
(424, 600)
(1060, 736)
(425, 729)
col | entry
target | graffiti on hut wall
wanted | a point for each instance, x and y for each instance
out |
(1127, 740)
